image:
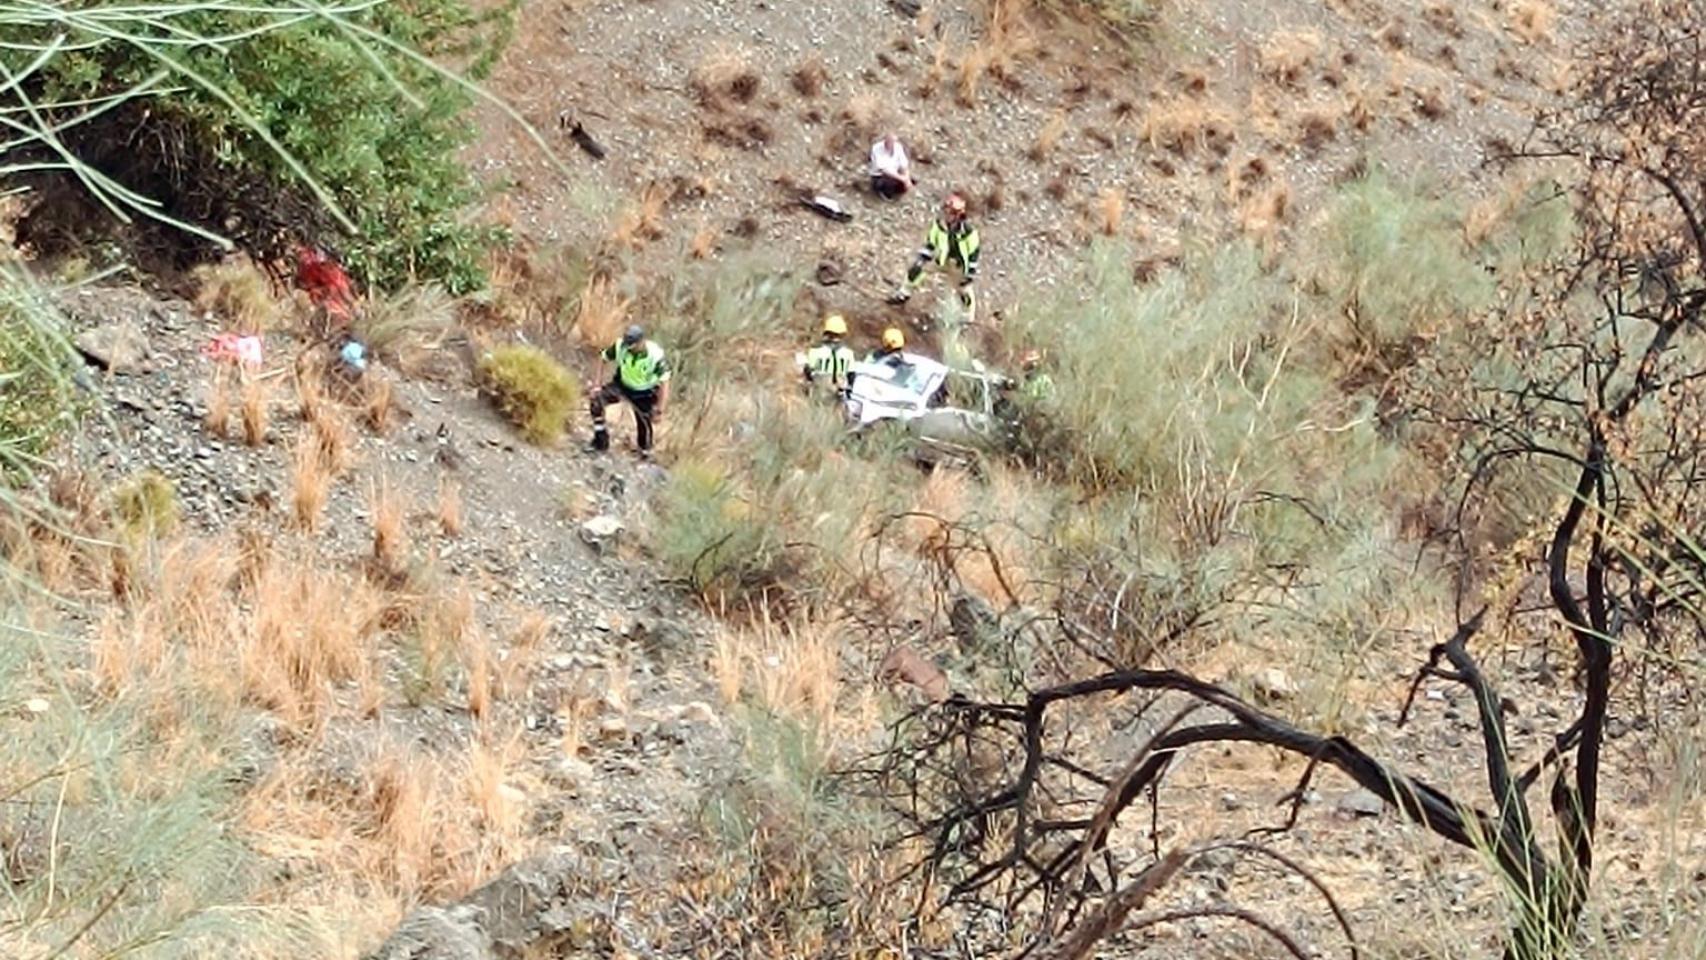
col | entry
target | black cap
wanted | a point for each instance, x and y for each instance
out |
(633, 335)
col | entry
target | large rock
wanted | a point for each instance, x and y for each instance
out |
(120, 346)
(533, 909)
(1275, 684)
(601, 532)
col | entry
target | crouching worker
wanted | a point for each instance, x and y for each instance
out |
(641, 379)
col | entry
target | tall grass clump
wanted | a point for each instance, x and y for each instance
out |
(1397, 262)
(533, 390)
(38, 397)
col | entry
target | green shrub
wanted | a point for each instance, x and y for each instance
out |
(270, 105)
(36, 399)
(533, 390)
(711, 535)
(1397, 259)
(146, 505)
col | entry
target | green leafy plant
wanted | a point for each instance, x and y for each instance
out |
(534, 391)
(292, 118)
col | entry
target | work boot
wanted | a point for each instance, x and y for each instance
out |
(600, 442)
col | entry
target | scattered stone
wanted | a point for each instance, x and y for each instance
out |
(1437, 696)
(36, 705)
(1230, 802)
(1361, 803)
(601, 531)
(1275, 684)
(120, 346)
(612, 728)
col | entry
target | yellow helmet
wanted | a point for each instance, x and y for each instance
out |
(835, 323)
(893, 339)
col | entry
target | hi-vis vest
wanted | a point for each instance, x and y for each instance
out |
(642, 369)
(831, 360)
(944, 244)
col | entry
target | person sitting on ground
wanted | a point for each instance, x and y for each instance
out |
(328, 285)
(891, 172)
(641, 379)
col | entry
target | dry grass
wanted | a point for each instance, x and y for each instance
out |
(310, 390)
(1317, 126)
(1048, 138)
(310, 484)
(641, 222)
(218, 419)
(728, 664)
(790, 670)
(476, 655)
(389, 516)
(1287, 55)
(377, 402)
(333, 437)
(969, 76)
(450, 518)
(703, 243)
(1266, 212)
(809, 77)
(725, 77)
(257, 402)
(1533, 20)
(238, 294)
(601, 313)
(1110, 210)
(934, 76)
(1182, 125)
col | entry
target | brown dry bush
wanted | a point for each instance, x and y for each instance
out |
(310, 483)
(218, 419)
(809, 77)
(1048, 138)
(388, 515)
(1533, 20)
(377, 402)
(238, 293)
(257, 401)
(600, 313)
(1286, 55)
(641, 222)
(725, 77)
(450, 517)
(1182, 125)
(1110, 210)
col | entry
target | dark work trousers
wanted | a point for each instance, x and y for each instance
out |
(641, 400)
(887, 187)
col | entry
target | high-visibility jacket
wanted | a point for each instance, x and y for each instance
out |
(1038, 387)
(639, 369)
(958, 244)
(830, 359)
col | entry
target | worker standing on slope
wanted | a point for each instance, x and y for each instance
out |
(831, 359)
(642, 379)
(952, 243)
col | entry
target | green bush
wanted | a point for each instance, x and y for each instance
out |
(533, 390)
(38, 399)
(711, 535)
(305, 101)
(1397, 259)
(146, 505)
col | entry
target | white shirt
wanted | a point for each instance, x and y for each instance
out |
(889, 163)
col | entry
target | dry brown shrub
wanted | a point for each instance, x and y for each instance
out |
(1533, 20)
(1110, 210)
(641, 222)
(377, 402)
(601, 313)
(973, 64)
(450, 519)
(1286, 55)
(1265, 212)
(218, 420)
(1182, 125)
(257, 400)
(1048, 138)
(332, 435)
(388, 514)
(1317, 126)
(809, 77)
(934, 76)
(703, 243)
(238, 293)
(310, 484)
(725, 77)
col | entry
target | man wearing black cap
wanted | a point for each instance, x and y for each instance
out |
(642, 379)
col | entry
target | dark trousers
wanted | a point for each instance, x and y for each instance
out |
(641, 400)
(887, 187)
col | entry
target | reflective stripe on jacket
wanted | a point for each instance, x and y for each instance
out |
(639, 370)
(831, 360)
(946, 243)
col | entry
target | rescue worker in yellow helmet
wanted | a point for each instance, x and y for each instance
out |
(893, 343)
(951, 245)
(831, 361)
(641, 379)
